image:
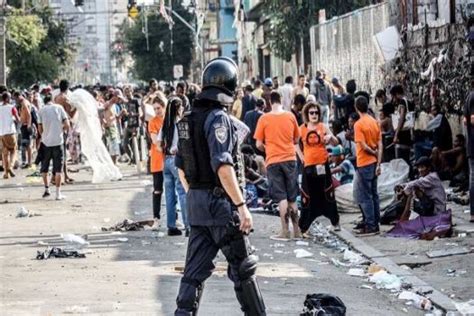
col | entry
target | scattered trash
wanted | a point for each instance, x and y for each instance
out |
(106, 220)
(356, 272)
(323, 304)
(462, 235)
(302, 243)
(416, 300)
(338, 263)
(354, 258)
(77, 310)
(55, 252)
(405, 267)
(301, 253)
(42, 243)
(146, 183)
(454, 244)
(466, 308)
(160, 235)
(139, 213)
(278, 251)
(447, 252)
(322, 254)
(366, 286)
(74, 241)
(22, 212)
(277, 245)
(321, 235)
(467, 211)
(122, 239)
(383, 279)
(129, 225)
(374, 268)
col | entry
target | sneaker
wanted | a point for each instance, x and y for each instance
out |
(174, 232)
(359, 226)
(156, 225)
(46, 194)
(179, 225)
(368, 232)
(60, 197)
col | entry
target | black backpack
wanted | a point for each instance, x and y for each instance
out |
(322, 304)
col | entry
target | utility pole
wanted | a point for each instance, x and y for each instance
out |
(3, 30)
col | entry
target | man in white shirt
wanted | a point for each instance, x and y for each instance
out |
(8, 118)
(53, 122)
(286, 92)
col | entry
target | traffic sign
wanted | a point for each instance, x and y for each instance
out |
(133, 12)
(177, 71)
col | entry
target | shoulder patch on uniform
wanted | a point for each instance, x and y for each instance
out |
(221, 134)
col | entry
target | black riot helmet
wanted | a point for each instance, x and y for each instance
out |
(220, 73)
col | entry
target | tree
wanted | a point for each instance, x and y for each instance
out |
(290, 21)
(158, 60)
(36, 47)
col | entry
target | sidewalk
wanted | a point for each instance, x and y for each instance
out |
(140, 275)
(449, 277)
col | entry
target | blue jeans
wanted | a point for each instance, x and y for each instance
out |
(325, 114)
(367, 196)
(173, 186)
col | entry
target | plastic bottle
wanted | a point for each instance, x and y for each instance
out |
(423, 303)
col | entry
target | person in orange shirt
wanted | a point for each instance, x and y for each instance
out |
(276, 134)
(156, 158)
(369, 151)
(317, 191)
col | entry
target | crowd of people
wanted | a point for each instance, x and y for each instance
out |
(305, 140)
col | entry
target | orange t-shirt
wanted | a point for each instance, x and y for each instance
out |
(314, 149)
(278, 131)
(157, 157)
(366, 130)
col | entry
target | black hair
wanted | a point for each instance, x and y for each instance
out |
(3, 88)
(5, 96)
(299, 99)
(337, 126)
(397, 89)
(151, 81)
(36, 87)
(169, 123)
(181, 85)
(257, 83)
(289, 79)
(362, 104)
(247, 149)
(63, 85)
(275, 97)
(47, 98)
(248, 88)
(351, 86)
(260, 103)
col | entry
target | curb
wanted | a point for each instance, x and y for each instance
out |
(438, 299)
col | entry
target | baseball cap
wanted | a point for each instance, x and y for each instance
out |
(336, 151)
(268, 82)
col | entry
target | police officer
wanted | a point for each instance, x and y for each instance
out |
(210, 168)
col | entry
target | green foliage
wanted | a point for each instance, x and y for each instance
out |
(25, 32)
(290, 21)
(36, 47)
(158, 61)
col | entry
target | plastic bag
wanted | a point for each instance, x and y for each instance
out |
(323, 304)
(393, 173)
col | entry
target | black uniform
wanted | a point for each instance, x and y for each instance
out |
(207, 140)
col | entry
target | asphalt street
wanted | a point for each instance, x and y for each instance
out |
(138, 273)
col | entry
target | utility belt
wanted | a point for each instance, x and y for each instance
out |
(217, 191)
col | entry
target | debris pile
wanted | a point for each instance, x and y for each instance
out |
(129, 225)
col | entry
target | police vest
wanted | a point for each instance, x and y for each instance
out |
(194, 151)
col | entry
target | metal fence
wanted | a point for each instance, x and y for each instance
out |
(344, 47)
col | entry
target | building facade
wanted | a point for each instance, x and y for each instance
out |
(93, 28)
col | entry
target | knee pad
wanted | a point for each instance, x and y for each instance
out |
(248, 267)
